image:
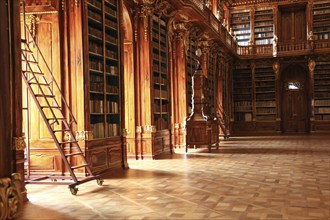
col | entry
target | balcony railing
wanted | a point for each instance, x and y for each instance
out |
(284, 49)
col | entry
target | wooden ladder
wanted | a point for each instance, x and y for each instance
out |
(51, 112)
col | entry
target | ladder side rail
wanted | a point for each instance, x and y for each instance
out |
(39, 87)
(51, 74)
(50, 129)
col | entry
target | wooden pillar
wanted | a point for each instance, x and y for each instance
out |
(311, 67)
(276, 68)
(309, 18)
(12, 190)
(205, 48)
(143, 13)
(179, 83)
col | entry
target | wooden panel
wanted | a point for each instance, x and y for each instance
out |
(286, 26)
(300, 26)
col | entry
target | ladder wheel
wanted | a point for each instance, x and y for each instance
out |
(73, 190)
(99, 182)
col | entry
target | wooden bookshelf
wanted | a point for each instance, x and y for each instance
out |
(240, 25)
(263, 26)
(321, 20)
(103, 90)
(190, 67)
(322, 91)
(160, 74)
(242, 82)
(265, 93)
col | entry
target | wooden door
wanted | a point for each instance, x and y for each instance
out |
(295, 110)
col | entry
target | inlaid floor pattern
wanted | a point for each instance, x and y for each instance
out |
(260, 177)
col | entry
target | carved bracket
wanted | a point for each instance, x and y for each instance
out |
(19, 143)
(11, 201)
(84, 135)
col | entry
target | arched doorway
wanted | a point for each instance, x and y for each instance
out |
(129, 82)
(295, 109)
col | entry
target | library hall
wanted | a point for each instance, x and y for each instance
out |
(165, 109)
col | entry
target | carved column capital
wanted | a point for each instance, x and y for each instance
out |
(19, 143)
(276, 68)
(311, 65)
(11, 201)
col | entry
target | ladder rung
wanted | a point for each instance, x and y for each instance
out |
(79, 166)
(74, 154)
(47, 96)
(61, 130)
(30, 61)
(46, 106)
(26, 51)
(55, 119)
(37, 73)
(68, 142)
(41, 84)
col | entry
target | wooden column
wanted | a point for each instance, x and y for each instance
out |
(12, 190)
(276, 68)
(311, 67)
(179, 83)
(205, 48)
(143, 13)
(309, 18)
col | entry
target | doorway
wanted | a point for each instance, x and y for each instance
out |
(295, 100)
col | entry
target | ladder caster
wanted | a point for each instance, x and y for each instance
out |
(73, 190)
(99, 182)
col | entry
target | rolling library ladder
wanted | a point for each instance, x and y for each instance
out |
(41, 88)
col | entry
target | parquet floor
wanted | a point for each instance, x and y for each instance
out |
(261, 177)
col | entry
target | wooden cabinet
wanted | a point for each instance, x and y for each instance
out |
(160, 74)
(240, 25)
(102, 83)
(321, 20)
(322, 91)
(265, 93)
(242, 93)
(263, 26)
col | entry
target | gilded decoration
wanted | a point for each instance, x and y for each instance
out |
(11, 200)
(138, 129)
(125, 132)
(276, 68)
(84, 135)
(311, 67)
(32, 21)
(19, 143)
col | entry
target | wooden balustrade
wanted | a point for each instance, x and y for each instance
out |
(284, 49)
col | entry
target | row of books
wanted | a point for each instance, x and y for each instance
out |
(112, 2)
(112, 39)
(263, 17)
(156, 68)
(95, 64)
(96, 3)
(267, 34)
(263, 12)
(263, 29)
(243, 37)
(268, 96)
(240, 14)
(238, 26)
(101, 130)
(322, 103)
(323, 110)
(111, 23)
(113, 70)
(322, 36)
(321, 5)
(322, 117)
(266, 104)
(95, 47)
(266, 84)
(161, 93)
(95, 32)
(160, 80)
(264, 41)
(111, 54)
(97, 106)
(95, 15)
(324, 11)
(163, 108)
(264, 23)
(112, 89)
(269, 117)
(110, 11)
(243, 116)
(158, 20)
(266, 111)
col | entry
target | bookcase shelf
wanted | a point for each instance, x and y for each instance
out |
(265, 93)
(211, 83)
(103, 68)
(321, 20)
(263, 26)
(240, 25)
(242, 82)
(160, 74)
(322, 90)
